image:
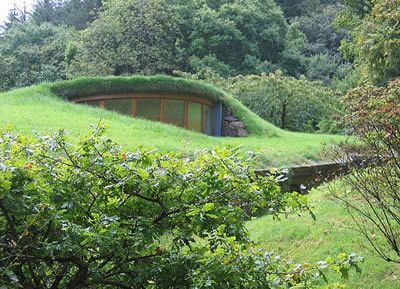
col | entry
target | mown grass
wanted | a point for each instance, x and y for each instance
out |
(37, 109)
(302, 239)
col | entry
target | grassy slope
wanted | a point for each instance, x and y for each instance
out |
(35, 108)
(303, 239)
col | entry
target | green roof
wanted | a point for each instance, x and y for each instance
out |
(88, 86)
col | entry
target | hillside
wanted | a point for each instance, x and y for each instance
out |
(38, 109)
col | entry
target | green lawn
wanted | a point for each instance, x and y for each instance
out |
(37, 109)
(302, 239)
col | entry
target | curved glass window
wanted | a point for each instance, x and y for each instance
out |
(123, 106)
(174, 112)
(148, 108)
(195, 116)
(208, 129)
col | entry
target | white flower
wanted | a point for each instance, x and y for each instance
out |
(322, 264)
(3, 167)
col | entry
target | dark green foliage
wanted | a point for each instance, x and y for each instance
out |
(31, 54)
(129, 37)
(242, 35)
(79, 13)
(229, 37)
(93, 215)
(293, 8)
(292, 60)
(323, 67)
(159, 36)
(75, 13)
(46, 11)
(321, 48)
(375, 44)
(322, 36)
(359, 7)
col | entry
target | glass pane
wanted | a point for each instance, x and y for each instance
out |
(92, 103)
(174, 112)
(195, 116)
(148, 108)
(208, 128)
(119, 105)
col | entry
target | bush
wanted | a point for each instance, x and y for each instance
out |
(93, 215)
(374, 116)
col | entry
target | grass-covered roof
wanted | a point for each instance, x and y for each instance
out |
(88, 86)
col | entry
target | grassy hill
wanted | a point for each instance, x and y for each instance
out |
(40, 108)
(300, 238)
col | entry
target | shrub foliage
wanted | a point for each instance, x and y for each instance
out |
(93, 215)
(375, 197)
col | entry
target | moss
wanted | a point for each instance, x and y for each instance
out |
(87, 86)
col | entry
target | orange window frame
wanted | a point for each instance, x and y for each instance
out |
(186, 99)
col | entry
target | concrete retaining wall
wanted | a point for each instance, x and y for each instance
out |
(302, 178)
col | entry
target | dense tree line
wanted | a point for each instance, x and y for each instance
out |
(159, 36)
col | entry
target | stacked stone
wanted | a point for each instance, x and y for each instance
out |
(232, 126)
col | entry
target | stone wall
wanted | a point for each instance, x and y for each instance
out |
(232, 126)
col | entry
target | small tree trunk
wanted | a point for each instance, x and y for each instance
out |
(283, 115)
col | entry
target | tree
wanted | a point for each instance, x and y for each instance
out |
(47, 11)
(244, 36)
(293, 8)
(15, 16)
(359, 7)
(374, 198)
(158, 36)
(75, 13)
(135, 36)
(318, 27)
(323, 67)
(97, 216)
(292, 59)
(375, 46)
(31, 54)
(79, 13)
